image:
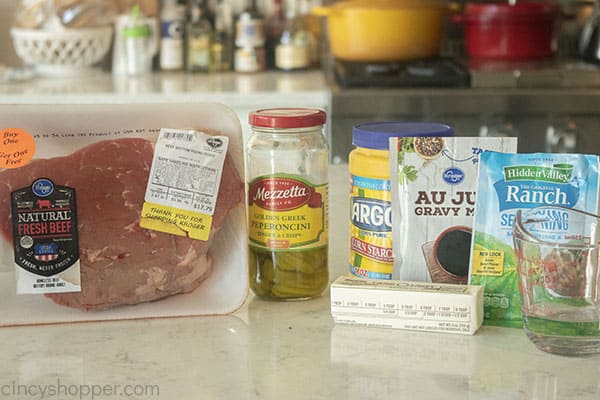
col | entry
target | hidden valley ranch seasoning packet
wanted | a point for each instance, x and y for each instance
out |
(511, 182)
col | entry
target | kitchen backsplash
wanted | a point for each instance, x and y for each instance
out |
(7, 52)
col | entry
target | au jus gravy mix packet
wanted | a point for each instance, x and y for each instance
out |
(433, 204)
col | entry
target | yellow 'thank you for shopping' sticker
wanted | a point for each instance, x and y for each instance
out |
(184, 183)
(176, 221)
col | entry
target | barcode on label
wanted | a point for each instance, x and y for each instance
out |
(184, 136)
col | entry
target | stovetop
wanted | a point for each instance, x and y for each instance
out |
(451, 73)
(438, 72)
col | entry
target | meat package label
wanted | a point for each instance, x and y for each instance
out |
(45, 240)
(184, 182)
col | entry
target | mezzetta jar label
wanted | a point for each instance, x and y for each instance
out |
(287, 212)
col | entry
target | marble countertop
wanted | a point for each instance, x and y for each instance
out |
(278, 350)
(242, 93)
(234, 89)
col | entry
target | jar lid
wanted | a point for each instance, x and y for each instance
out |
(386, 4)
(287, 118)
(506, 12)
(136, 27)
(376, 135)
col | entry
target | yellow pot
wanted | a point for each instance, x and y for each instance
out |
(384, 30)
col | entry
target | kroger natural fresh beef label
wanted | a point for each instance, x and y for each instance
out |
(46, 246)
(434, 192)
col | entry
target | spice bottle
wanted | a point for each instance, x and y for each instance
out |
(370, 193)
(172, 27)
(275, 24)
(221, 48)
(138, 45)
(199, 35)
(249, 55)
(292, 50)
(287, 166)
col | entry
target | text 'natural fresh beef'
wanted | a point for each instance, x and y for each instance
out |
(121, 263)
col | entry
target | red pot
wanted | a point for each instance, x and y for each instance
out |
(500, 31)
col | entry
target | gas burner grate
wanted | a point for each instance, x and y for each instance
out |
(438, 72)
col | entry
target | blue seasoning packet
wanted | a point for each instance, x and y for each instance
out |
(511, 182)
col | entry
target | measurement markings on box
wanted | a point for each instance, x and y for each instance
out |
(407, 305)
(410, 311)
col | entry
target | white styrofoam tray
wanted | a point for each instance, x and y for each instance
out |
(226, 288)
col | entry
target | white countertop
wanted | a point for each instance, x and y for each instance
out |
(234, 89)
(242, 93)
(273, 350)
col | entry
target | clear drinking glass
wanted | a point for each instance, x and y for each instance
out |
(557, 254)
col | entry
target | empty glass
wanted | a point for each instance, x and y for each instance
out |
(557, 254)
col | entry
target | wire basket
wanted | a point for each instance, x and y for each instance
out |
(73, 51)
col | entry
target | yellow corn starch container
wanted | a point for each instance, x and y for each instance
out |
(370, 193)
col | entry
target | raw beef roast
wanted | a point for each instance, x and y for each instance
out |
(121, 263)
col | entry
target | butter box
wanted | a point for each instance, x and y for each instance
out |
(420, 306)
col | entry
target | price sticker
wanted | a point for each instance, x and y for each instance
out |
(17, 148)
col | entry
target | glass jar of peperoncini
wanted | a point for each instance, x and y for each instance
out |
(286, 167)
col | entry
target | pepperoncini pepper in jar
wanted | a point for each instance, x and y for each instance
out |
(287, 167)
